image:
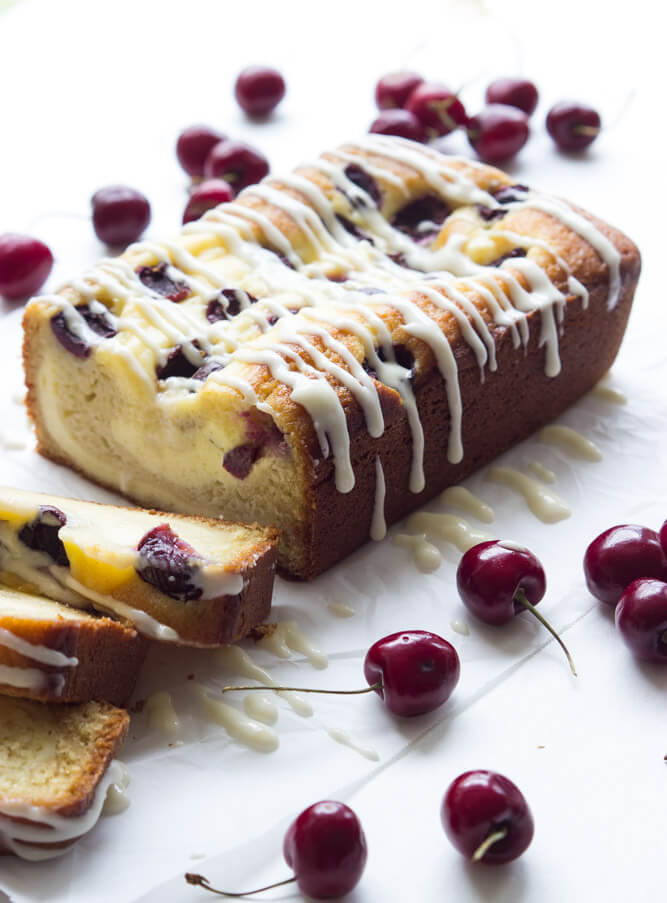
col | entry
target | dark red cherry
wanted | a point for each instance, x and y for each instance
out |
(393, 90)
(206, 195)
(497, 580)
(572, 125)
(489, 576)
(326, 847)
(438, 109)
(663, 537)
(417, 671)
(236, 163)
(620, 555)
(120, 214)
(498, 132)
(25, 264)
(169, 563)
(399, 122)
(41, 534)
(641, 617)
(513, 92)
(486, 817)
(193, 147)
(259, 90)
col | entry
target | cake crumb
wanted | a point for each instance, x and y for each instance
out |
(261, 631)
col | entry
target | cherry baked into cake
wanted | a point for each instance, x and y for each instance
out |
(332, 348)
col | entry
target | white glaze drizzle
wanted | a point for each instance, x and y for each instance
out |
(341, 610)
(344, 739)
(117, 799)
(161, 714)
(609, 393)
(460, 627)
(424, 554)
(261, 707)
(460, 497)
(449, 527)
(571, 442)
(237, 660)
(247, 731)
(542, 472)
(542, 501)
(35, 652)
(287, 636)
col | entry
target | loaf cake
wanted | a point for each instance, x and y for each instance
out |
(177, 579)
(331, 349)
(55, 653)
(55, 768)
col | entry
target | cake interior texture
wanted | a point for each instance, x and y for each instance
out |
(331, 349)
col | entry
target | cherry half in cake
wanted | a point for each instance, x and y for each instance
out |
(41, 534)
(99, 322)
(169, 564)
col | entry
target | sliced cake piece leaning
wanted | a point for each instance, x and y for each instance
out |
(55, 653)
(188, 580)
(55, 769)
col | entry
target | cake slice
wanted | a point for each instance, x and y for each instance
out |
(178, 579)
(55, 768)
(332, 348)
(55, 653)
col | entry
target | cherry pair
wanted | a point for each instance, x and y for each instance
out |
(484, 815)
(626, 567)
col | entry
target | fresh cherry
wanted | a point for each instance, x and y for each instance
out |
(236, 163)
(663, 537)
(572, 125)
(25, 264)
(513, 92)
(120, 214)
(641, 617)
(325, 846)
(486, 817)
(498, 132)
(437, 108)
(259, 90)
(620, 555)
(497, 580)
(399, 122)
(206, 195)
(412, 671)
(393, 90)
(193, 147)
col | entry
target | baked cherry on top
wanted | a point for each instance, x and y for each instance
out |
(641, 618)
(499, 579)
(620, 555)
(486, 817)
(412, 671)
(325, 846)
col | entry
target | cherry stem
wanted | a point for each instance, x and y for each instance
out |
(500, 834)
(520, 597)
(586, 130)
(201, 881)
(375, 686)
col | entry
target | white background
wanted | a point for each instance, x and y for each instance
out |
(95, 93)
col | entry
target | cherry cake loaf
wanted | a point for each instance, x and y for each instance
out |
(187, 580)
(332, 348)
